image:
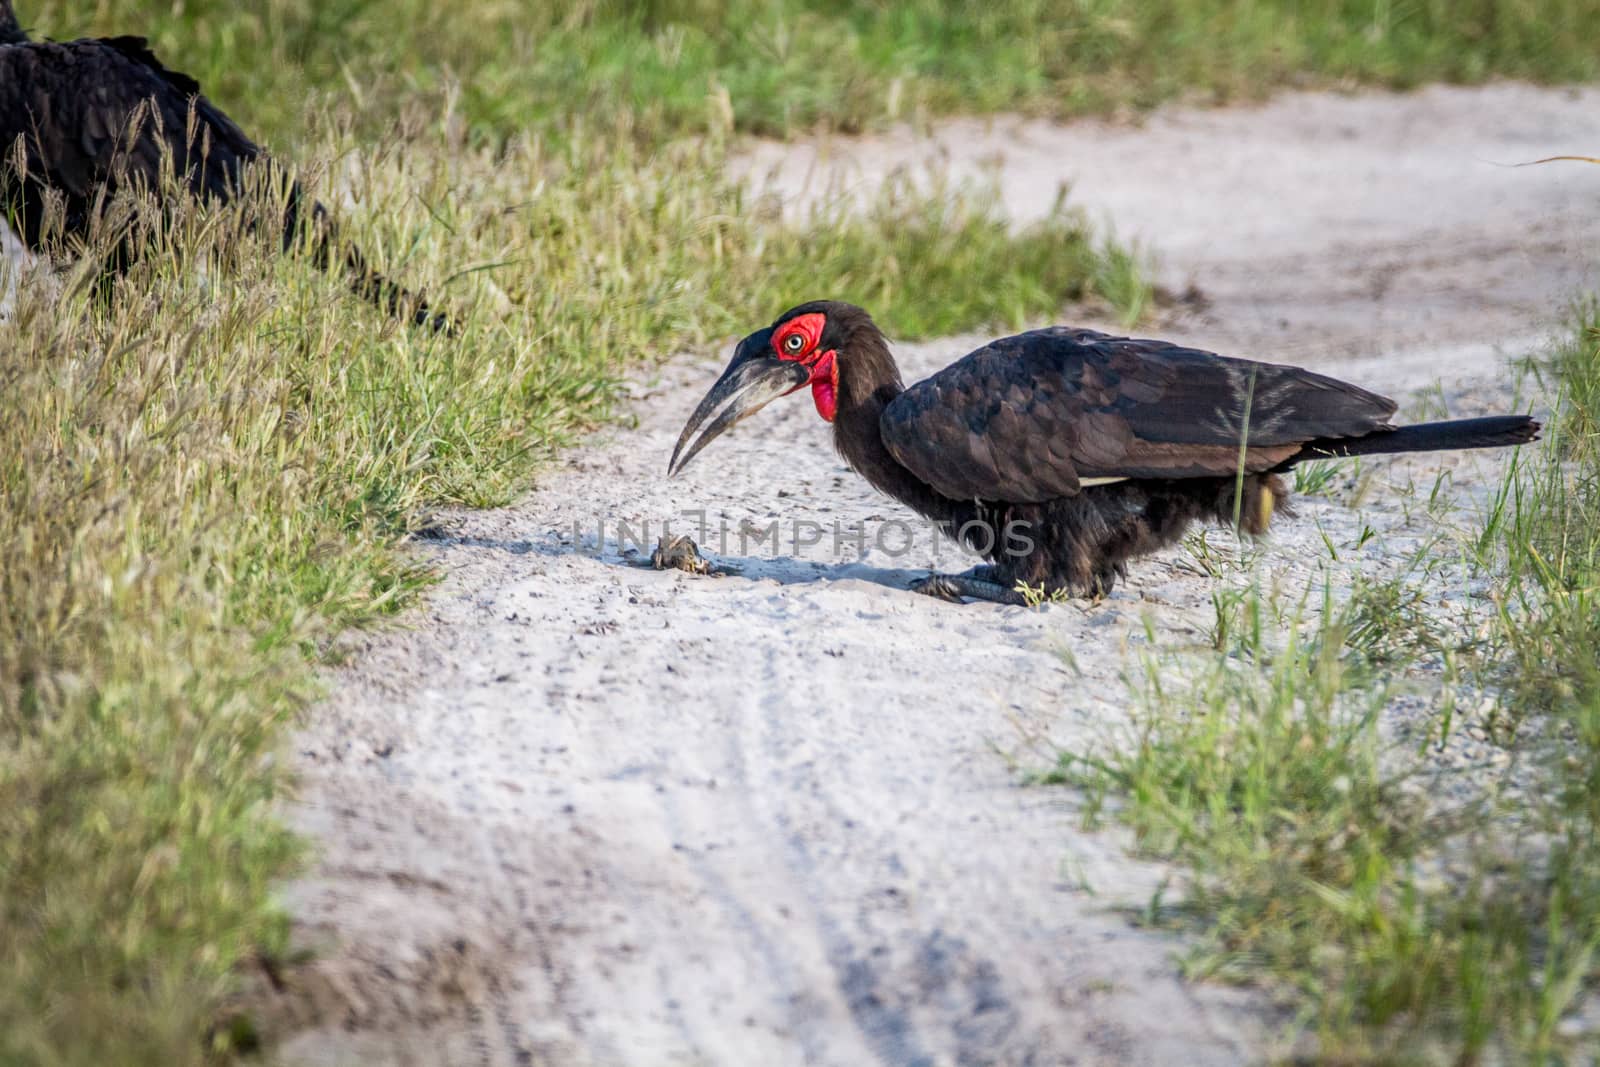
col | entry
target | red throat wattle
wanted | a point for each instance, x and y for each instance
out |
(825, 385)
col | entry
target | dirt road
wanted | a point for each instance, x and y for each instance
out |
(584, 813)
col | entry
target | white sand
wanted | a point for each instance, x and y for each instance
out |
(582, 813)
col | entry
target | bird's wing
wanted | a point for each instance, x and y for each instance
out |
(1041, 414)
(95, 111)
(216, 146)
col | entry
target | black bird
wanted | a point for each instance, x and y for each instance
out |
(1060, 454)
(82, 119)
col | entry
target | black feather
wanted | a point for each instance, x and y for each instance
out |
(1027, 418)
(84, 120)
(1495, 431)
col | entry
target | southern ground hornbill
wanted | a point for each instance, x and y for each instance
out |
(1060, 454)
(82, 119)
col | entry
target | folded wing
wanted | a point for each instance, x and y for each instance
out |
(1037, 416)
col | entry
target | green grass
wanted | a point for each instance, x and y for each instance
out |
(774, 66)
(201, 481)
(1545, 526)
(1402, 922)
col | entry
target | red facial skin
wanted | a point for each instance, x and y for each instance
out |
(824, 366)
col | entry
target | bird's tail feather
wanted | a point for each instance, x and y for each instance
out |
(1495, 431)
(365, 282)
(391, 296)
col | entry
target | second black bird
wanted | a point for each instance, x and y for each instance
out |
(83, 119)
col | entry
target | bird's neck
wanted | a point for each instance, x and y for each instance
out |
(869, 381)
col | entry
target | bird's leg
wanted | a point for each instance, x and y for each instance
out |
(980, 583)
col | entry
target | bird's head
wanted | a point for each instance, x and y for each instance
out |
(815, 344)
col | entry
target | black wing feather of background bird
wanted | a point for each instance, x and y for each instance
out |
(92, 116)
(85, 118)
(1035, 416)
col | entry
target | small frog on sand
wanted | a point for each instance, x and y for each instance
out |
(681, 553)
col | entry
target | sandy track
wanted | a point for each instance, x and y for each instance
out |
(585, 813)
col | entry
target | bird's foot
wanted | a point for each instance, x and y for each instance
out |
(977, 584)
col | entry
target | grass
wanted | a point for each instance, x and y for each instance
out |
(1544, 527)
(206, 477)
(1401, 919)
(777, 66)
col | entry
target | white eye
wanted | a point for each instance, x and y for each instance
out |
(793, 343)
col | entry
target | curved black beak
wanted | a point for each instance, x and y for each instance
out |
(751, 382)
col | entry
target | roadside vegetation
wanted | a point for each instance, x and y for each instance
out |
(205, 477)
(782, 66)
(1406, 910)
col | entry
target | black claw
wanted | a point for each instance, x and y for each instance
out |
(437, 321)
(1106, 580)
